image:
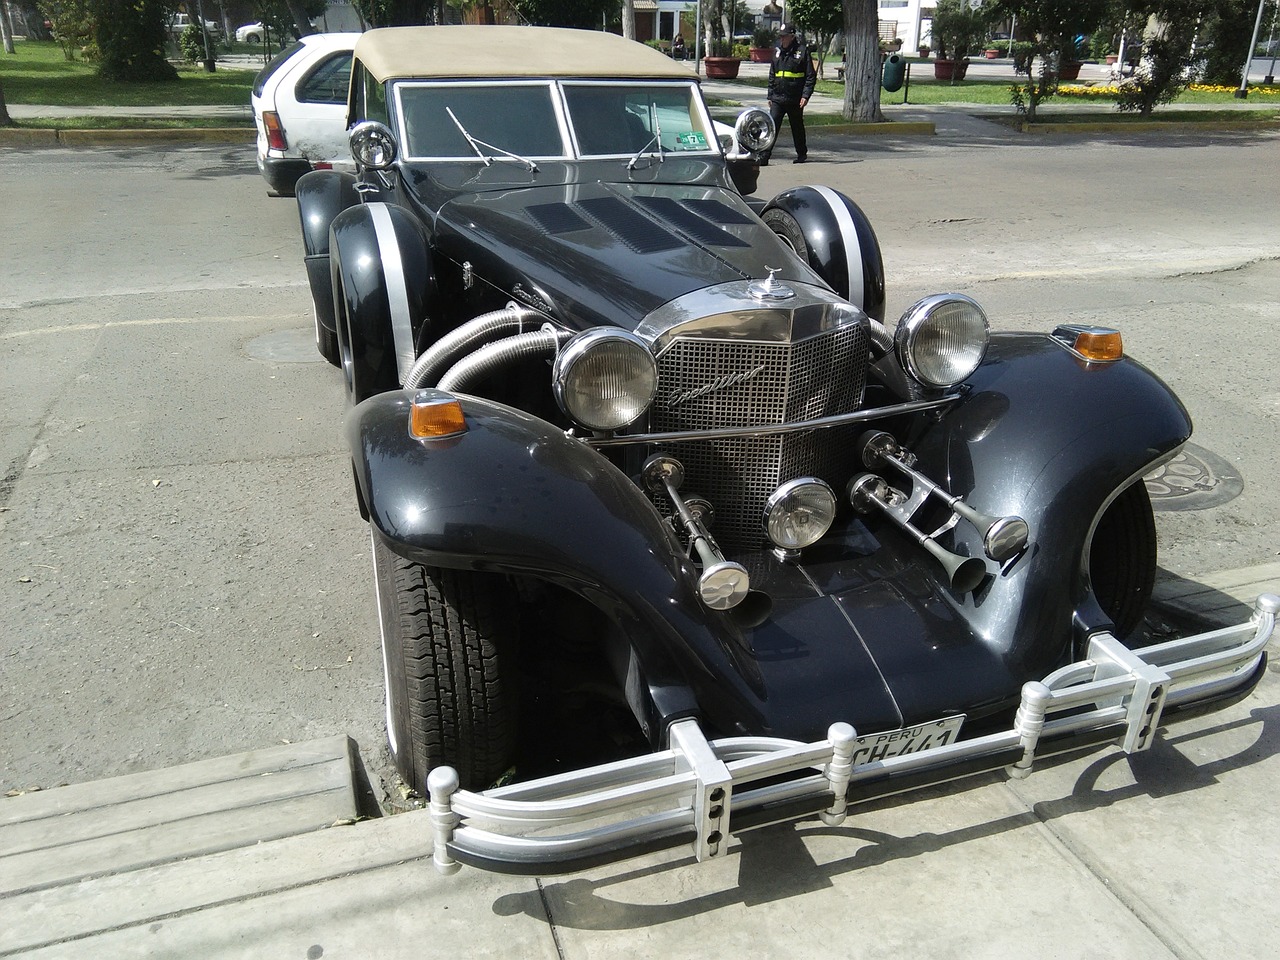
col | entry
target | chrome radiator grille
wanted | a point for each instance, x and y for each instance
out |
(707, 383)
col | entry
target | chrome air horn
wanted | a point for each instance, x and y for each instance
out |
(723, 584)
(1002, 537)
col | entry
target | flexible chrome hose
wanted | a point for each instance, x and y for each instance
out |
(446, 351)
(881, 338)
(492, 357)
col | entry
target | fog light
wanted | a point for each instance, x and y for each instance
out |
(799, 513)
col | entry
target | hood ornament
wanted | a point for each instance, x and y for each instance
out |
(770, 288)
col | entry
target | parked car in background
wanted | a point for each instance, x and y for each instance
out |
(251, 33)
(299, 107)
(611, 419)
(180, 21)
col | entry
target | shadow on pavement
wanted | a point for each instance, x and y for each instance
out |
(775, 864)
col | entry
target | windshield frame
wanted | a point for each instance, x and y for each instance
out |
(699, 106)
(570, 149)
(557, 106)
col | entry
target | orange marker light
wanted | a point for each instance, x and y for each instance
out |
(1100, 344)
(435, 416)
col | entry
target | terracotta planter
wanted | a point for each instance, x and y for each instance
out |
(992, 53)
(1069, 70)
(950, 69)
(721, 68)
(761, 54)
(923, 51)
(1111, 58)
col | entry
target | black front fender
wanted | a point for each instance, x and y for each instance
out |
(322, 195)
(1047, 436)
(514, 495)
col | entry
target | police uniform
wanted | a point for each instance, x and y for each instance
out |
(791, 79)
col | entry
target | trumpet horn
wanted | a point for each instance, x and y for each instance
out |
(1002, 537)
(867, 491)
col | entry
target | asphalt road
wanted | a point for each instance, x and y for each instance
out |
(182, 570)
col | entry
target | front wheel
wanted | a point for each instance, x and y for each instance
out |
(1122, 559)
(449, 655)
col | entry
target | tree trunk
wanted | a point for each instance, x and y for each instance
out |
(862, 61)
(300, 19)
(6, 27)
(629, 19)
(5, 119)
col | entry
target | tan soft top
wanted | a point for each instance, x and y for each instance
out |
(484, 51)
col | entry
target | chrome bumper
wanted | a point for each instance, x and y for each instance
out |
(697, 791)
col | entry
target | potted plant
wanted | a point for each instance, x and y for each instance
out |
(720, 62)
(1069, 62)
(991, 53)
(924, 50)
(762, 43)
(957, 30)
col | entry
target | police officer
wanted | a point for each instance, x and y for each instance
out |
(791, 81)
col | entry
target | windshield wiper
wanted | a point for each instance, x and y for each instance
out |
(477, 144)
(656, 139)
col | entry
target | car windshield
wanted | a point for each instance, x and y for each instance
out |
(620, 119)
(515, 117)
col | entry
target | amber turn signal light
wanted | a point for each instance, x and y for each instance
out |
(1090, 342)
(435, 416)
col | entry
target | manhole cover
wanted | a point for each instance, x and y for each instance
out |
(285, 346)
(1193, 480)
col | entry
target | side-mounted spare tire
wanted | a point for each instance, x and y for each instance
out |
(322, 195)
(449, 649)
(384, 292)
(833, 236)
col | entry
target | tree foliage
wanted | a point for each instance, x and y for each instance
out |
(1165, 68)
(131, 38)
(1225, 32)
(1053, 26)
(72, 23)
(586, 14)
(398, 13)
(820, 20)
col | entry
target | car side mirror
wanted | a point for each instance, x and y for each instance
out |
(373, 145)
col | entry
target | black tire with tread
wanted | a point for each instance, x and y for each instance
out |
(788, 228)
(449, 647)
(1122, 559)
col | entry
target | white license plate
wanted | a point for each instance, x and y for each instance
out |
(892, 743)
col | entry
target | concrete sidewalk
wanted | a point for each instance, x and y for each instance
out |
(260, 855)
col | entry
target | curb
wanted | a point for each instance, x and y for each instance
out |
(52, 136)
(1148, 126)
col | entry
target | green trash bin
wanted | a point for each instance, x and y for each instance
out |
(895, 68)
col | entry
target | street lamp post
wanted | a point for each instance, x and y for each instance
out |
(1243, 92)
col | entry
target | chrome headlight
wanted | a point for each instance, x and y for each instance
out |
(799, 513)
(605, 378)
(942, 339)
(754, 130)
(373, 145)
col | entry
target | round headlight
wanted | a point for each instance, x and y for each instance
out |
(942, 339)
(373, 145)
(799, 513)
(605, 378)
(754, 130)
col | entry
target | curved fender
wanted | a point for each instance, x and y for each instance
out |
(322, 195)
(515, 495)
(1052, 438)
(384, 291)
(843, 247)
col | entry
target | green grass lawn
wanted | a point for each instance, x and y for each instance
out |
(38, 73)
(135, 123)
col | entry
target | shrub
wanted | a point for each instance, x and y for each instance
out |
(764, 37)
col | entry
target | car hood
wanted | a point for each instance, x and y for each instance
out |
(598, 252)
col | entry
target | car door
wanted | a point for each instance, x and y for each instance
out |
(312, 103)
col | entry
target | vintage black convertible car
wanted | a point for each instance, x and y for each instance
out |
(601, 399)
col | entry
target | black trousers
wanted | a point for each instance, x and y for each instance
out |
(795, 115)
